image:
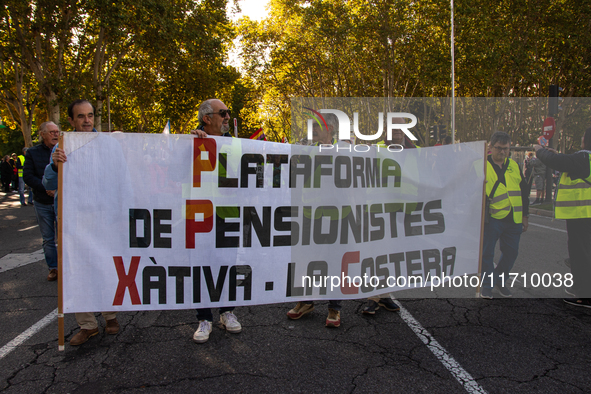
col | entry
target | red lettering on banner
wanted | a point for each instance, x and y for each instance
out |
(201, 145)
(126, 280)
(348, 258)
(193, 227)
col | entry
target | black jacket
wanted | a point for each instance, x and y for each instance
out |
(576, 164)
(6, 171)
(36, 159)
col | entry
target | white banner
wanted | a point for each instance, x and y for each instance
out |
(154, 221)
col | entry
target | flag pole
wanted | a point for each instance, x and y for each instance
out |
(482, 221)
(60, 245)
(453, 78)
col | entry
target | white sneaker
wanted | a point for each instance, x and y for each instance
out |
(202, 333)
(228, 320)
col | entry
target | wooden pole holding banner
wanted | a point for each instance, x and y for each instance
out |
(482, 220)
(60, 276)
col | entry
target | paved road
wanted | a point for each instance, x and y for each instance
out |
(435, 345)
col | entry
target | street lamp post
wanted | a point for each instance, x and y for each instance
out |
(453, 83)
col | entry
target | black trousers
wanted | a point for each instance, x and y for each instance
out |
(579, 251)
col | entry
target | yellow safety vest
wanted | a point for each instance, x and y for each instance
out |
(573, 200)
(506, 196)
(20, 170)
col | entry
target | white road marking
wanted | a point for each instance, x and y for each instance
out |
(35, 328)
(28, 228)
(15, 260)
(461, 375)
(548, 227)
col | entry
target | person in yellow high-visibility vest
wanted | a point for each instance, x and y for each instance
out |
(20, 164)
(509, 210)
(573, 203)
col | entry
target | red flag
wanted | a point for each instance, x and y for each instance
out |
(258, 135)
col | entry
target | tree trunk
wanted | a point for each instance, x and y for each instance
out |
(20, 102)
(26, 129)
(53, 107)
(99, 115)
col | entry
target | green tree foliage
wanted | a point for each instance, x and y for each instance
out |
(170, 80)
(401, 48)
(150, 60)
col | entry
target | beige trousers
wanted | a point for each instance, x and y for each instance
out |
(87, 321)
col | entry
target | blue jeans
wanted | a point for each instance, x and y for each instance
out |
(21, 191)
(509, 234)
(205, 313)
(47, 223)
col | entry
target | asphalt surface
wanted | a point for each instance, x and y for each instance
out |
(517, 345)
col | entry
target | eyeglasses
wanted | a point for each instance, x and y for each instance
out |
(501, 149)
(52, 131)
(222, 113)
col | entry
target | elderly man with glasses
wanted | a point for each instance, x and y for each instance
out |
(214, 118)
(36, 159)
(507, 192)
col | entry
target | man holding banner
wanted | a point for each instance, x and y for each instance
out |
(214, 118)
(509, 209)
(321, 136)
(81, 118)
(399, 140)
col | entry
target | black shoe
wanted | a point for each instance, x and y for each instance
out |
(389, 305)
(370, 308)
(584, 302)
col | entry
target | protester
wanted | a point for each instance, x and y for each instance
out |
(14, 178)
(37, 158)
(6, 174)
(528, 171)
(20, 163)
(214, 119)
(509, 210)
(321, 136)
(398, 139)
(81, 118)
(447, 140)
(573, 203)
(539, 176)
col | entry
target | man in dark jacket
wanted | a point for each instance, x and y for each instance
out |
(36, 159)
(573, 203)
